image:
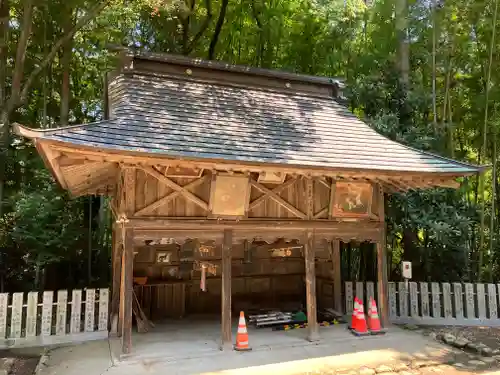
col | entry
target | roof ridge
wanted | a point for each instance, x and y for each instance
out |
(230, 67)
(204, 81)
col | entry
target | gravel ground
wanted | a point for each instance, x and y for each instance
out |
(24, 366)
(486, 335)
(19, 361)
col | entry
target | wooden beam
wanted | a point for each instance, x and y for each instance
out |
(167, 198)
(336, 276)
(323, 182)
(130, 175)
(226, 340)
(128, 289)
(155, 224)
(138, 158)
(331, 202)
(320, 213)
(310, 198)
(382, 276)
(50, 157)
(116, 255)
(276, 190)
(174, 186)
(312, 322)
(271, 194)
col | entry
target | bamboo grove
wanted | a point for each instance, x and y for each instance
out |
(423, 73)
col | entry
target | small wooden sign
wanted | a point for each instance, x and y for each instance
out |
(163, 256)
(283, 251)
(206, 250)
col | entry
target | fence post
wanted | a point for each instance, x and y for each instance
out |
(103, 309)
(16, 315)
(481, 301)
(76, 311)
(424, 299)
(403, 300)
(393, 313)
(413, 299)
(469, 301)
(492, 301)
(436, 300)
(48, 299)
(447, 308)
(458, 297)
(31, 314)
(348, 297)
(89, 310)
(359, 293)
(4, 299)
(62, 306)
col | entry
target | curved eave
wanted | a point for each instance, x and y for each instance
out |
(30, 133)
(113, 154)
(50, 149)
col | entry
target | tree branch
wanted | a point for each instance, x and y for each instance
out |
(63, 40)
(203, 27)
(22, 47)
(218, 28)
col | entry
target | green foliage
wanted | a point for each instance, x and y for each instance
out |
(437, 229)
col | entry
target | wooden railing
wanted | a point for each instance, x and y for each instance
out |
(433, 303)
(36, 318)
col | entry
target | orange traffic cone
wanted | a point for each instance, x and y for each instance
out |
(358, 323)
(242, 335)
(373, 319)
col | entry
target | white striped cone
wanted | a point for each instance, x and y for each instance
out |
(242, 326)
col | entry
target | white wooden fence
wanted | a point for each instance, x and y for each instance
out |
(434, 303)
(35, 318)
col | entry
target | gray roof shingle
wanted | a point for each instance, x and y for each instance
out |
(188, 119)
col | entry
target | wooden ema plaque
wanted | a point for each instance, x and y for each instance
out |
(230, 195)
(352, 199)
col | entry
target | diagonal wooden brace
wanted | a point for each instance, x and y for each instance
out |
(167, 198)
(174, 186)
(272, 194)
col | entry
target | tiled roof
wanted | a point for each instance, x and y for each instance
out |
(187, 119)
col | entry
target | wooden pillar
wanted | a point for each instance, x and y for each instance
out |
(382, 283)
(382, 275)
(336, 277)
(312, 322)
(116, 255)
(127, 290)
(226, 340)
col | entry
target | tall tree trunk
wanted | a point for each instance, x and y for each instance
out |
(218, 28)
(66, 67)
(403, 43)
(4, 44)
(434, 42)
(485, 131)
(19, 91)
(8, 105)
